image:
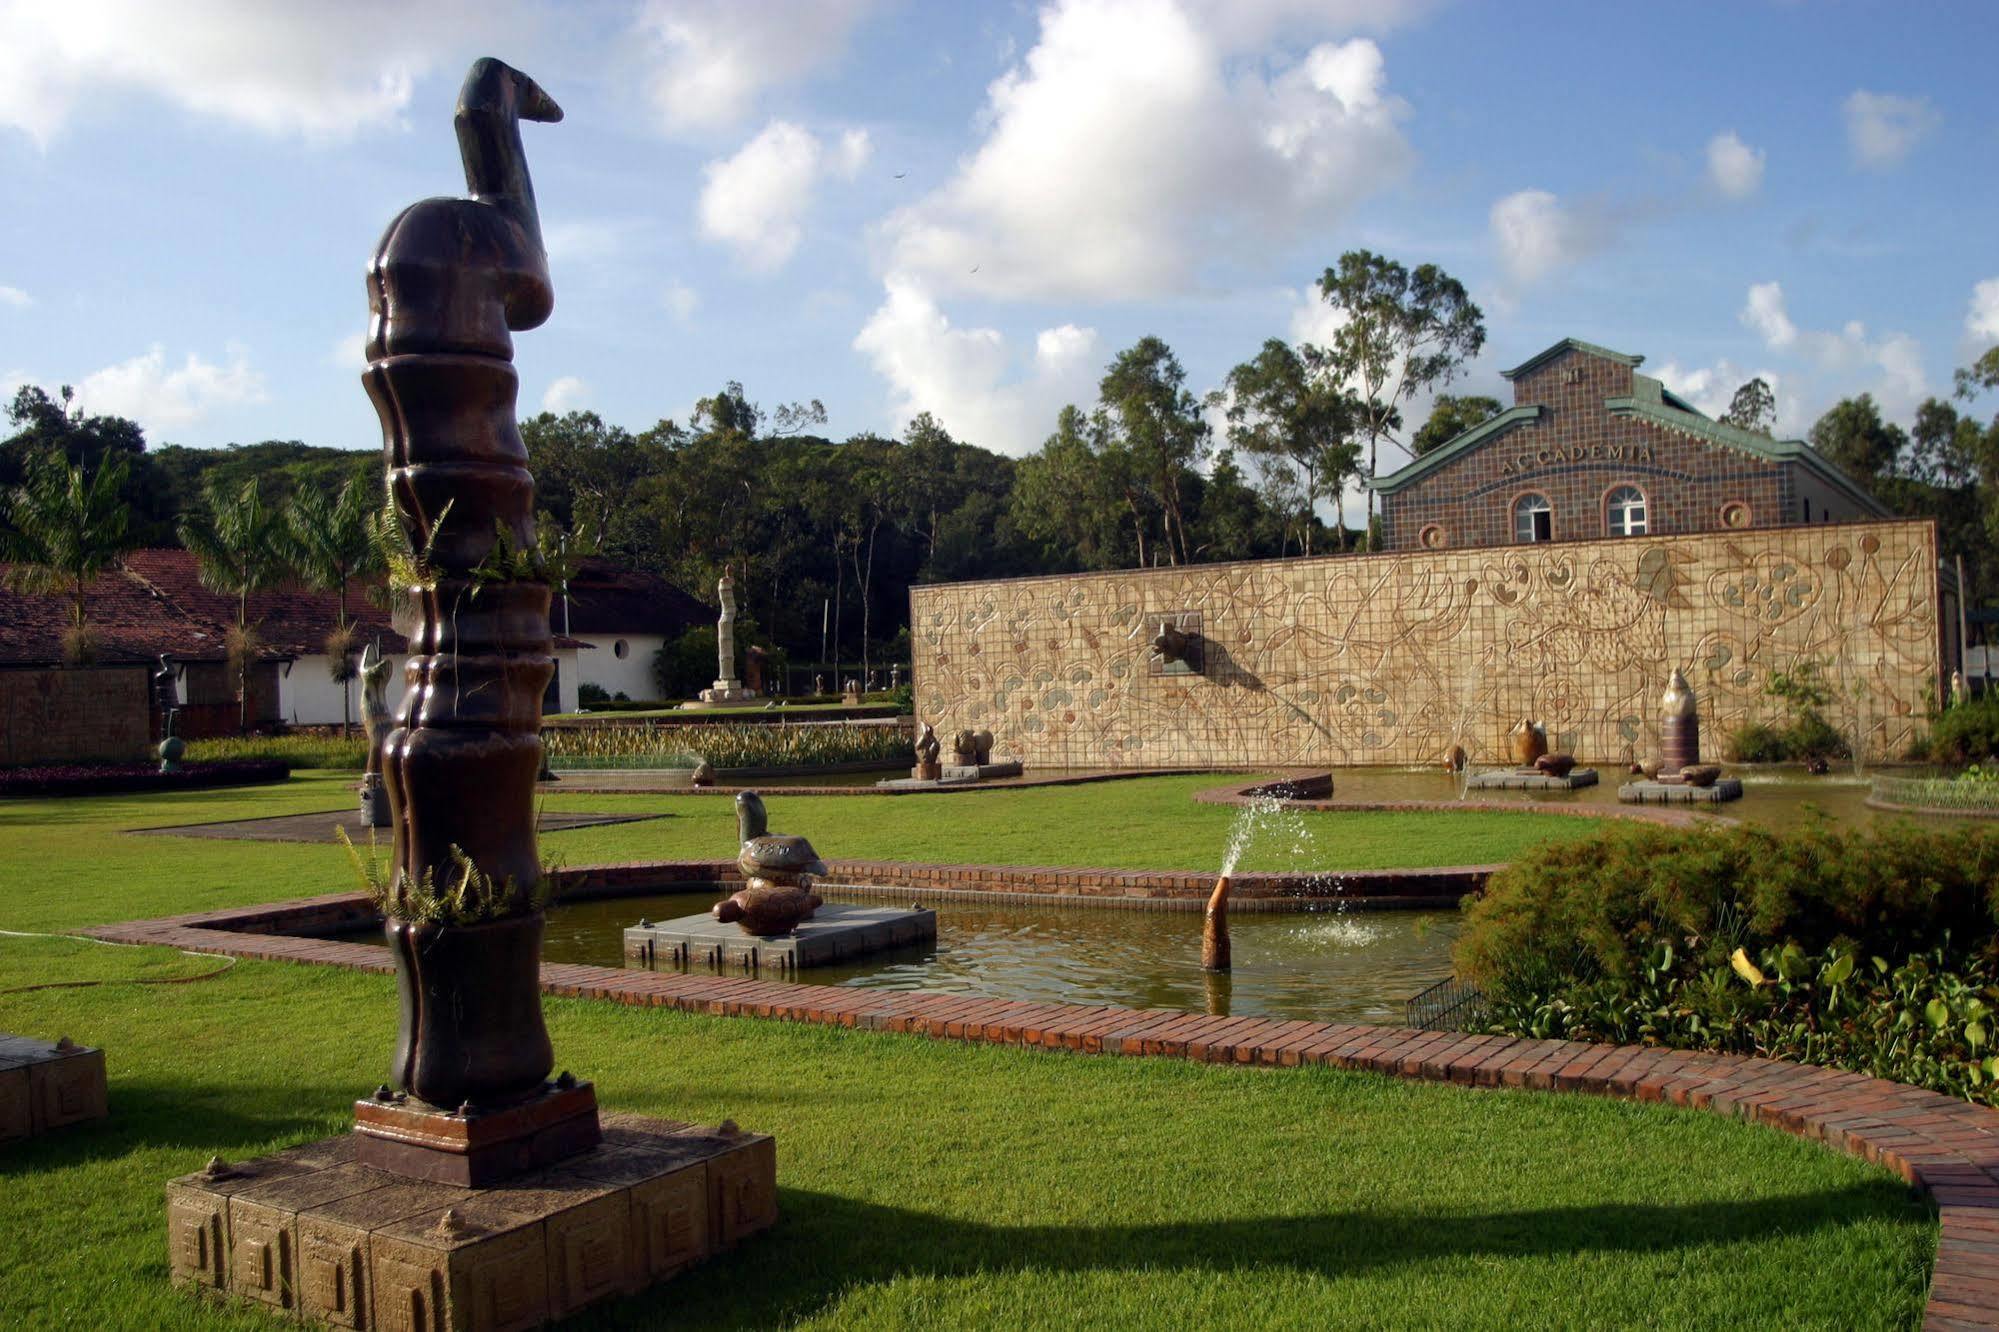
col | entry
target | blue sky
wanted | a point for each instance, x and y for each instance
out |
(969, 209)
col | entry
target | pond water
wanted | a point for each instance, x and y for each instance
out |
(1325, 965)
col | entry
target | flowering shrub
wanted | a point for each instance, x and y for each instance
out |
(80, 779)
(1868, 950)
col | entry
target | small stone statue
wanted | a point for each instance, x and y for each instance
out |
(727, 688)
(754, 671)
(1530, 741)
(928, 748)
(895, 677)
(374, 672)
(1172, 642)
(1956, 689)
(818, 684)
(851, 693)
(1679, 726)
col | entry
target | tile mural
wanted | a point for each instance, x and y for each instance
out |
(1394, 658)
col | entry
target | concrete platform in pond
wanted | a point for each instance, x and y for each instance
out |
(956, 774)
(835, 933)
(315, 1236)
(1665, 793)
(1516, 779)
(47, 1085)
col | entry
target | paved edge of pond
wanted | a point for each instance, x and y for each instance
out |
(1946, 1148)
(631, 781)
(1241, 793)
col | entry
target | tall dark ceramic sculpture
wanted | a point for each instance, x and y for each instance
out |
(449, 284)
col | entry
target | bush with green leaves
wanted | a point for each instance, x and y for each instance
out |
(1875, 950)
(1803, 734)
(300, 751)
(1966, 732)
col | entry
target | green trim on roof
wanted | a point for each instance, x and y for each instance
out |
(1570, 344)
(1464, 441)
(1657, 412)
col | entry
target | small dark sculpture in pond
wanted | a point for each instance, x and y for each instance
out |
(1529, 740)
(776, 868)
(450, 282)
(928, 748)
(1555, 765)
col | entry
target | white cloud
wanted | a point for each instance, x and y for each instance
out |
(1845, 354)
(712, 59)
(1981, 319)
(967, 377)
(1733, 167)
(1711, 388)
(1130, 143)
(755, 202)
(159, 397)
(15, 297)
(566, 394)
(1881, 128)
(1765, 314)
(321, 71)
(1536, 234)
(681, 300)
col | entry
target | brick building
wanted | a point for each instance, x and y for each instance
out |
(1591, 448)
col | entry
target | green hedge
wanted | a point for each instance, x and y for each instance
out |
(1873, 949)
(726, 746)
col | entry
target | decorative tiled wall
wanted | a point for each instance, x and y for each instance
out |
(1394, 658)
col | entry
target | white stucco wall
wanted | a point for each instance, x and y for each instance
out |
(308, 696)
(630, 674)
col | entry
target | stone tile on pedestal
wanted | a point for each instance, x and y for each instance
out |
(588, 1234)
(198, 1215)
(262, 1235)
(337, 1285)
(476, 1265)
(17, 1116)
(57, 1083)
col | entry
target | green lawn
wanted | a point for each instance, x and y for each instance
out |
(926, 1184)
(84, 869)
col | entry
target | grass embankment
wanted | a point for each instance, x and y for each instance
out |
(927, 1184)
(70, 863)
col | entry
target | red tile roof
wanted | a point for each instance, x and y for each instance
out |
(605, 598)
(155, 604)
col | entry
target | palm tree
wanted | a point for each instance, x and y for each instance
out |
(330, 543)
(63, 528)
(239, 550)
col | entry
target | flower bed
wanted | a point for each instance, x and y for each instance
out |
(1974, 791)
(726, 746)
(71, 779)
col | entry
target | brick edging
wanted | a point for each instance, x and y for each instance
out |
(1948, 1149)
(580, 786)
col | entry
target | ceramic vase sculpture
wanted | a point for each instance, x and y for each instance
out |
(1679, 726)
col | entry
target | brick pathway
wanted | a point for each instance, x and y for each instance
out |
(1947, 1148)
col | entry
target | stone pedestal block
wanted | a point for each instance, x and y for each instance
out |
(835, 933)
(46, 1085)
(1672, 793)
(317, 1235)
(1532, 779)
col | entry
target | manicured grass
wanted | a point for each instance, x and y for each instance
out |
(71, 862)
(926, 1184)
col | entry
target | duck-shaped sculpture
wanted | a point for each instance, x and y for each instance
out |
(776, 866)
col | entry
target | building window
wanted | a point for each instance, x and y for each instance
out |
(1431, 537)
(1533, 519)
(621, 649)
(1624, 511)
(1808, 509)
(1735, 514)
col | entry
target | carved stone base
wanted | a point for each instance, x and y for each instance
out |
(481, 1148)
(48, 1085)
(724, 693)
(1532, 779)
(927, 772)
(1666, 793)
(313, 1233)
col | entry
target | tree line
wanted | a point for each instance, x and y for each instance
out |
(826, 537)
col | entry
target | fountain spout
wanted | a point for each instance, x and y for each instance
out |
(1215, 928)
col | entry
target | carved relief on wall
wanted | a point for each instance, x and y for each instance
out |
(1394, 658)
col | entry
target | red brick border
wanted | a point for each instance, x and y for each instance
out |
(1947, 1148)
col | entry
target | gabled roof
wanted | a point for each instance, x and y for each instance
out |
(1566, 345)
(1652, 402)
(291, 620)
(605, 598)
(1463, 442)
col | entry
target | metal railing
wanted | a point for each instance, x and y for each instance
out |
(1449, 1005)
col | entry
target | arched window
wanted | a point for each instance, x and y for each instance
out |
(1624, 511)
(1533, 519)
